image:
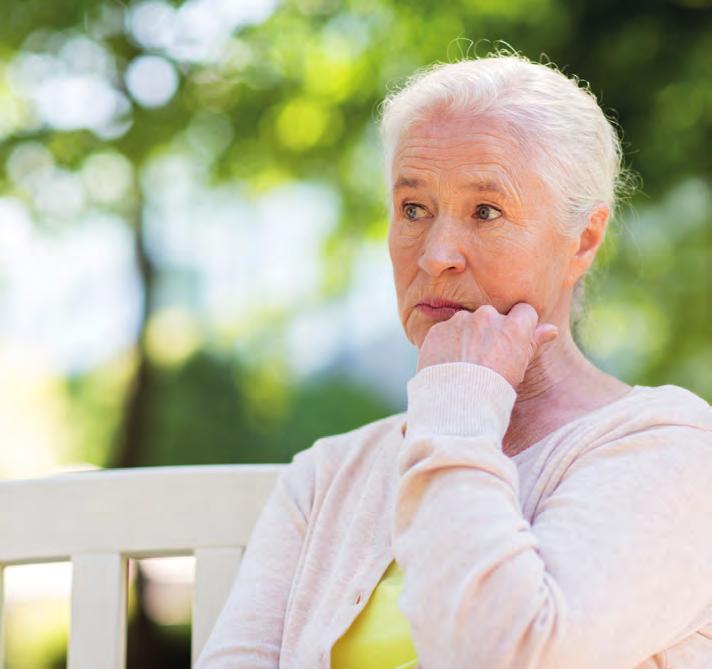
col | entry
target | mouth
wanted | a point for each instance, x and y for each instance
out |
(438, 309)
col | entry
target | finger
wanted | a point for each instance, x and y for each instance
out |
(525, 315)
(488, 309)
(545, 333)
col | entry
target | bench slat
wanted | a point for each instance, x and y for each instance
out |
(142, 512)
(97, 635)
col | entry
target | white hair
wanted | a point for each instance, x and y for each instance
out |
(558, 122)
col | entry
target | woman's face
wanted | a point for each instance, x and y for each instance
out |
(472, 223)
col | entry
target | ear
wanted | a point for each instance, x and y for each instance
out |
(590, 240)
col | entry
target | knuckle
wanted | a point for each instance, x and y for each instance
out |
(528, 310)
(486, 311)
(523, 317)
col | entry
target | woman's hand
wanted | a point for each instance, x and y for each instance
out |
(504, 343)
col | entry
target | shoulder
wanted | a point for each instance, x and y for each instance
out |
(653, 430)
(670, 410)
(650, 408)
(674, 404)
(655, 427)
(653, 448)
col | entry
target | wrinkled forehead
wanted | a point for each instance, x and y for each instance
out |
(462, 151)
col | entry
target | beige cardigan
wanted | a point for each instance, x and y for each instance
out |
(592, 549)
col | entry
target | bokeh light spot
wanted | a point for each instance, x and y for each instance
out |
(151, 80)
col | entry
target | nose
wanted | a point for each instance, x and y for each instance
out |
(443, 250)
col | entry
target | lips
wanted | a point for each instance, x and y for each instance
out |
(438, 302)
(439, 309)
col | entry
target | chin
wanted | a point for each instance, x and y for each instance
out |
(416, 328)
(413, 340)
(415, 335)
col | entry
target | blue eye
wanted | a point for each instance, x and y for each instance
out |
(409, 209)
(486, 212)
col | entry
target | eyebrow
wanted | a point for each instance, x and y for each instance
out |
(483, 186)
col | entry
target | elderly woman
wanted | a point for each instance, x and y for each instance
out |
(528, 510)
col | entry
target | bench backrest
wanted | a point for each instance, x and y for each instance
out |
(99, 519)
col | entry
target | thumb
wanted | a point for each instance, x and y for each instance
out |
(545, 333)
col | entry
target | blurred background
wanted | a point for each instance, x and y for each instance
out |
(193, 262)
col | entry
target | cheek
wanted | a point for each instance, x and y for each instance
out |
(499, 257)
(515, 267)
(404, 251)
(406, 238)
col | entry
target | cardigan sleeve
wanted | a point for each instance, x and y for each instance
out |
(615, 567)
(248, 631)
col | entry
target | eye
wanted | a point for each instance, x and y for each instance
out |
(410, 211)
(486, 212)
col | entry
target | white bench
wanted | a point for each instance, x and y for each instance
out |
(99, 519)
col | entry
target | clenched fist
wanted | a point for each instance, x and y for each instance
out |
(505, 343)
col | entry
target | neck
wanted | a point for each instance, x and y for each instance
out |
(559, 385)
(558, 369)
(556, 365)
(552, 385)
